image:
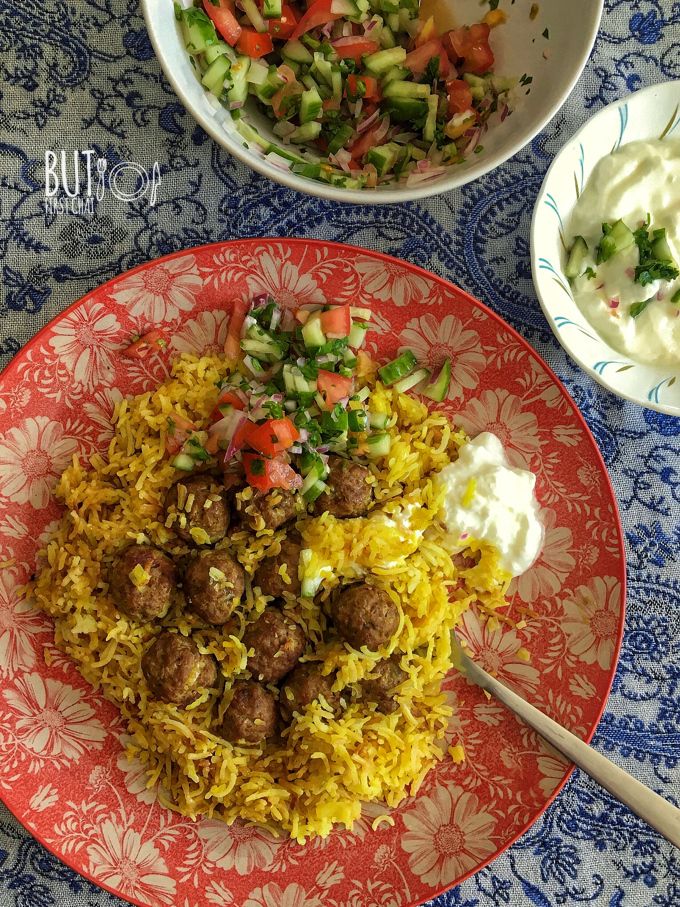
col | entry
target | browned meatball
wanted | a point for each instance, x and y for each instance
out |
(251, 716)
(142, 580)
(270, 510)
(379, 688)
(196, 508)
(365, 616)
(268, 577)
(349, 494)
(175, 670)
(278, 643)
(214, 583)
(305, 684)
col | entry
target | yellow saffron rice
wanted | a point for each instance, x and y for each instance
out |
(324, 767)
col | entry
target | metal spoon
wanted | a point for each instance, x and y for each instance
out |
(657, 812)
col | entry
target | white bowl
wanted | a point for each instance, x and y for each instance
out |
(649, 114)
(555, 64)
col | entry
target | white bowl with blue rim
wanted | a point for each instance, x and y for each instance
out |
(539, 41)
(653, 113)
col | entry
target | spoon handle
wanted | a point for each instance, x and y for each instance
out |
(657, 812)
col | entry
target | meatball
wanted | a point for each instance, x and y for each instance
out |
(305, 684)
(142, 580)
(349, 494)
(197, 509)
(251, 716)
(175, 670)
(365, 616)
(268, 576)
(269, 511)
(278, 643)
(379, 688)
(214, 583)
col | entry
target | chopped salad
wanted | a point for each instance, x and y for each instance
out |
(298, 393)
(360, 92)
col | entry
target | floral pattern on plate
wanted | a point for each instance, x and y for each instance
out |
(78, 793)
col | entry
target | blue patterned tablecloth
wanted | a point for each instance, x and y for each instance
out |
(83, 75)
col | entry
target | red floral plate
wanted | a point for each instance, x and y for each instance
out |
(62, 772)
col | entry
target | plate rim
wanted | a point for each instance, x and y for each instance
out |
(499, 321)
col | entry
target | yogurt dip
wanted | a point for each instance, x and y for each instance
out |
(641, 179)
(488, 500)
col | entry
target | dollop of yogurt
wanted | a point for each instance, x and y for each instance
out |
(491, 501)
(638, 180)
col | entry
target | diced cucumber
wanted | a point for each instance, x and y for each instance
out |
(272, 9)
(184, 462)
(268, 88)
(323, 68)
(387, 38)
(215, 75)
(379, 444)
(258, 73)
(296, 50)
(378, 420)
(431, 119)
(398, 368)
(336, 82)
(396, 72)
(615, 239)
(311, 106)
(214, 51)
(312, 43)
(352, 9)
(311, 84)
(383, 157)
(422, 374)
(382, 60)
(198, 29)
(407, 110)
(415, 153)
(239, 80)
(311, 171)
(341, 138)
(357, 335)
(402, 89)
(577, 256)
(255, 16)
(439, 387)
(305, 133)
(312, 334)
(660, 248)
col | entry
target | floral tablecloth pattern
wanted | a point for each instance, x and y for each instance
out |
(83, 76)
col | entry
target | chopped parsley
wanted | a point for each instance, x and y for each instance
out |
(638, 307)
(656, 260)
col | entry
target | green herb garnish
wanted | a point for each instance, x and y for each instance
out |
(638, 307)
(656, 260)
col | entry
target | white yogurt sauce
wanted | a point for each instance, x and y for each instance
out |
(639, 179)
(491, 501)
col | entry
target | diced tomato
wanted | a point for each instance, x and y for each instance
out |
(418, 59)
(333, 387)
(366, 141)
(282, 101)
(281, 29)
(227, 396)
(337, 320)
(354, 48)
(265, 474)
(254, 44)
(460, 96)
(273, 436)
(471, 45)
(319, 13)
(232, 345)
(362, 87)
(222, 14)
(141, 347)
(178, 430)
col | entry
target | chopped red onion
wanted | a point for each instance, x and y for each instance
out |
(347, 31)
(260, 300)
(630, 273)
(235, 105)
(505, 110)
(368, 122)
(424, 165)
(275, 319)
(304, 435)
(295, 449)
(370, 26)
(613, 303)
(415, 178)
(474, 141)
(382, 130)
